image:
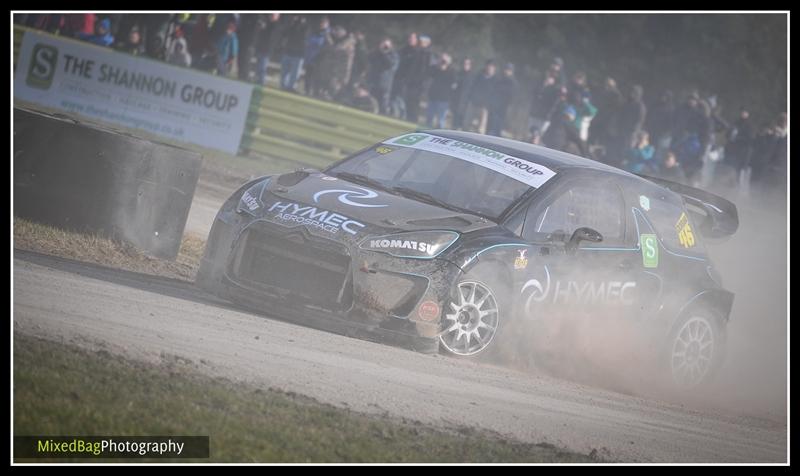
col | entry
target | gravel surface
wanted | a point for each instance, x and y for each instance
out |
(143, 317)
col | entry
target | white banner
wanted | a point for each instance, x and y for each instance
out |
(525, 171)
(99, 83)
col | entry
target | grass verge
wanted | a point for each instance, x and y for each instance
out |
(92, 248)
(64, 390)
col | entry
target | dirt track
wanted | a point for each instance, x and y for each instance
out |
(145, 317)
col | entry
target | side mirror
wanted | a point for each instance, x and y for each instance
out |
(583, 234)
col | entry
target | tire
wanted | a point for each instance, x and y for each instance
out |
(695, 349)
(473, 317)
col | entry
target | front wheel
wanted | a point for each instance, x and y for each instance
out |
(696, 349)
(472, 319)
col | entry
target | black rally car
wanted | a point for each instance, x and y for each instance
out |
(440, 239)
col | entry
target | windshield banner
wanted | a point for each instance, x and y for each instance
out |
(524, 171)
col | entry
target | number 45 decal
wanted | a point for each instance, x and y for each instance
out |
(685, 234)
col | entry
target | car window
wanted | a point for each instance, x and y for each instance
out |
(582, 204)
(673, 224)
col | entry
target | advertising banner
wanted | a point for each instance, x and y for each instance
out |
(117, 88)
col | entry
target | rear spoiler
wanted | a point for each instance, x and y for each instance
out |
(714, 216)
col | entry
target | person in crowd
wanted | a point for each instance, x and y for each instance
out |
(661, 123)
(739, 149)
(294, 45)
(246, 32)
(156, 33)
(585, 112)
(581, 98)
(102, 34)
(227, 50)
(317, 43)
(336, 62)
(417, 73)
(363, 100)
(770, 158)
(605, 129)
(360, 56)
(335, 89)
(632, 116)
(201, 48)
(383, 64)
(545, 96)
(121, 28)
(671, 169)
(562, 134)
(52, 23)
(640, 158)
(269, 34)
(780, 158)
(179, 54)
(219, 24)
(764, 148)
(480, 99)
(685, 116)
(134, 44)
(709, 154)
(503, 91)
(689, 151)
(719, 123)
(463, 87)
(694, 127)
(580, 84)
(443, 83)
(175, 31)
(406, 56)
(79, 24)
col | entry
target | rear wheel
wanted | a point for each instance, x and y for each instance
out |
(696, 349)
(471, 320)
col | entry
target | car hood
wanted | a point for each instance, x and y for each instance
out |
(300, 197)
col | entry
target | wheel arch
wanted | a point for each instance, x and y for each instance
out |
(719, 301)
(500, 268)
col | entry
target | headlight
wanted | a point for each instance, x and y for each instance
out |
(250, 202)
(415, 244)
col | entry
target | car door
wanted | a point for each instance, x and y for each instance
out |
(594, 278)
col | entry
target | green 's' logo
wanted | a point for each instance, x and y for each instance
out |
(410, 139)
(42, 67)
(649, 245)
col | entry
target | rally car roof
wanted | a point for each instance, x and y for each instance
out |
(552, 159)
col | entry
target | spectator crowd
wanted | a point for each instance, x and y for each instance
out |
(683, 138)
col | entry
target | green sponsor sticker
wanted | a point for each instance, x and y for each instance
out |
(649, 245)
(410, 139)
(42, 67)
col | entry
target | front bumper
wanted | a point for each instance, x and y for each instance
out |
(322, 283)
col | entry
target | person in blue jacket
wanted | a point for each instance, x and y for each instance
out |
(227, 49)
(102, 34)
(639, 158)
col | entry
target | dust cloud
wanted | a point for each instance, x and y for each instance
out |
(753, 264)
(610, 352)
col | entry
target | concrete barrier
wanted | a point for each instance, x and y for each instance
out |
(85, 177)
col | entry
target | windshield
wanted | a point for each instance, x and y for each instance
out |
(440, 178)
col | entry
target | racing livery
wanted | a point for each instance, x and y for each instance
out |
(441, 240)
